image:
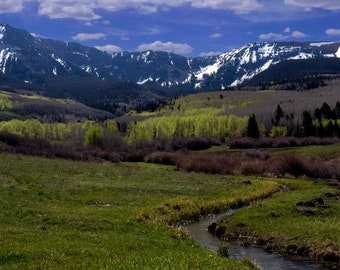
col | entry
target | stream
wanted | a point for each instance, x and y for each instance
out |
(266, 261)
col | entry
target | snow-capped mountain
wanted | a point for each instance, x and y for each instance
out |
(33, 59)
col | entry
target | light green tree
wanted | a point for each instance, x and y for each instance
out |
(94, 137)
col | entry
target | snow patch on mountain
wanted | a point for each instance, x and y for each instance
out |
(319, 44)
(2, 31)
(250, 75)
(59, 60)
(302, 55)
(143, 81)
(5, 56)
(337, 54)
(207, 71)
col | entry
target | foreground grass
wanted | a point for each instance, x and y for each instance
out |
(57, 214)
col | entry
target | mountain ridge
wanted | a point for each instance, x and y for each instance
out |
(71, 70)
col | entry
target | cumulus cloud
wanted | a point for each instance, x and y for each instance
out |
(216, 35)
(10, 6)
(146, 9)
(61, 9)
(86, 9)
(109, 48)
(333, 32)
(279, 37)
(207, 54)
(272, 36)
(298, 34)
(85, 36)
(287, 30)
(240, 7)
(309, 4)
(178, 48)
(237, 6)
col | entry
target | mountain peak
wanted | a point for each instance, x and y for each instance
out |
(32, 59)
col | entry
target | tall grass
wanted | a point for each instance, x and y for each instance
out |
(61, 214)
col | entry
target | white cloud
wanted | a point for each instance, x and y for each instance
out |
(309, 4)
(86, 9)
(287, 30)
(61, 9)
(10, 6)
(216, 35)
(205, 54)
(279, 37)
(298, 34)
(178, 48)
(109, 48)
(272, 36)
(240, 7)
(85, 36)
(146, 9)
(237, 6)
(333, 32)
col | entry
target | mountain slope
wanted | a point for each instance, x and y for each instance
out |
(68, 69)
(29, 58)
(288, 71)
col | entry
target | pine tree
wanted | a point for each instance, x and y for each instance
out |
(307, 124)
(253, 128)
(278, 114)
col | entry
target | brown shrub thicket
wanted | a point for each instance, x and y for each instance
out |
(245, 162)
(250, 163)
(279, 142)
(37, 147)
(191, 144)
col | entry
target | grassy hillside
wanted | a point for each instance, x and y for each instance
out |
(25, 105)
(245, 103)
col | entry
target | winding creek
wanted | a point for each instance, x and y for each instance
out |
(266, 261)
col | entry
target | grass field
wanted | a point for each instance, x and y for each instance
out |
(58, 214)
(331, 151)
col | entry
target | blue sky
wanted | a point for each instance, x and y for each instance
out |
(186, 27)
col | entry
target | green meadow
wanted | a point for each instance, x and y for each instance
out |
(58, 214)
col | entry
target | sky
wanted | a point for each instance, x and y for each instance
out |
(187, 27)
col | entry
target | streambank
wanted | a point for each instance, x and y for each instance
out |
(198, 230)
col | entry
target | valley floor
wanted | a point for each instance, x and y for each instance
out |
(58, 214)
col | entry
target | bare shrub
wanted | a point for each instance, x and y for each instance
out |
(242, 143)
(255, 154)
(104, 155)
(281, 142)
(252, 167)
(207, 163)
(303, 166)
(165, 158)
(10, 139)
(287, 164)
(192, 143)
(134, 155)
